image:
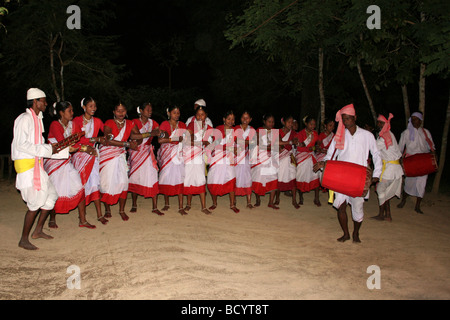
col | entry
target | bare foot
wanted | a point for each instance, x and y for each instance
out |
(295, 204)
(378, 217)
(356, 238)
(165, 208)
(182, 212)
(27, 245)
(206, 211)
(344, 238)
(124, 216)
(277, 202)
(236, 210)
(212, 207)
(317, 203)
(249, 205)
(273, 206)
(187, 208)
(103, 220)
(108, 214)
(388, 219)
(52, 224)
(159, 213)
(418, 210)
(38, 235)
(257, 204)
(401, 204)
(133, 209)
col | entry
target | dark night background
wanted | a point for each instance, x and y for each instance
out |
(238, 79)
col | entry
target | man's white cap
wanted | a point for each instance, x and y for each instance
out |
(35, 93)
(201, 102)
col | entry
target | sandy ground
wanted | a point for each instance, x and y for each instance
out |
(258, 254)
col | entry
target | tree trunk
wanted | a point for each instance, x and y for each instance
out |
(406, 102)
(321, 89)
(437, 178)
(52, 42)
(61, 69)
(422, 80)
(366, 90)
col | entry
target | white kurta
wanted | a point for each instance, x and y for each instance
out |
(415, 186)
(23, 147)
(356, 150)
(390, 184)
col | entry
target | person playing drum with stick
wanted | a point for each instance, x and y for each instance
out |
(351, 144)
(415, 140)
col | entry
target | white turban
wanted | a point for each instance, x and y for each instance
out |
(35, 93)
(201, 102)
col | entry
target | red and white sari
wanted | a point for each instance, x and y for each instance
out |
(265, 171)
(307, 179)
(143, 175)
(242, 160)
(324, 145)
(62, 173)
(221, 178)
(88, 166)
(170, 161)
(194, 162)
(287, 170)
(113, 165)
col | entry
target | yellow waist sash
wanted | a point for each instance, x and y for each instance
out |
(23, 165)
(384, 166)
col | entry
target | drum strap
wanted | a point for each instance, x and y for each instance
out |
(428, 140)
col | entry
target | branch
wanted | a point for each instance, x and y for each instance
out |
(268, 20)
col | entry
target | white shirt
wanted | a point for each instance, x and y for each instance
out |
(392, 171)
(23, 147)
(207, 121)
(356, 150)
(418, 145)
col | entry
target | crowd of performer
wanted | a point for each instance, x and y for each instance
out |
(117, 157)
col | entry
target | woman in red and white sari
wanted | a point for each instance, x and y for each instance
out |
(221, 178)
(170, 159)
(265, 169)
(113, 163)
(194, 163)
(287, 164)
(324, 142)
(62, 173)
(143, 174)
(245, 139)
(88, 165)
(307, 179)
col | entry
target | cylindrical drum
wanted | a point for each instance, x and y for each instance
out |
(420, 164)
(347, 178)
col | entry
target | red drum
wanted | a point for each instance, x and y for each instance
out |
(347, 178)
(420, 164)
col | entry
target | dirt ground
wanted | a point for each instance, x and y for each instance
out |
(258, 254)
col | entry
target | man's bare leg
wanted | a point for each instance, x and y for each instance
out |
(38, 233)
(417, 208)
(356, 227)
(343, 221)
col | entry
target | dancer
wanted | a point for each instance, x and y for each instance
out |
(265, 169)
(143, 175)
(307, 179)
(170, 159)
(194, 163)
(415, 139)
(87, 163)
(287, 171)
(245, 140)
(113, 163)
(221, 178)
(323, 143)
(390, 184)
(351, 144)
(27, 151)
(62, 173)
(199, 103)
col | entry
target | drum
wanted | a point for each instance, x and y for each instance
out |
(420, 164)
(347, 178)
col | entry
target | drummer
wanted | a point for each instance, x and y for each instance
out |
(415, 139)
(390, 184)
(352, 144)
